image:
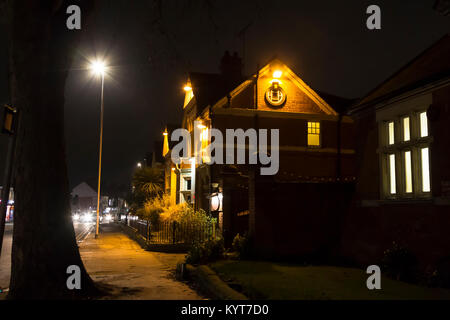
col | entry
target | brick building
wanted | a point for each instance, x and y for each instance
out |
(316, 158)
(403, 164)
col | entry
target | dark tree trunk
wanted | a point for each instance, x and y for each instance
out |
(41, 52)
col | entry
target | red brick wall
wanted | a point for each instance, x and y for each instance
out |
(421, 226)
(297, 100)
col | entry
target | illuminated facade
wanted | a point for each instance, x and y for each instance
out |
(315, 148)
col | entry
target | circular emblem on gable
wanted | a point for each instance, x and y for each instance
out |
(275, 95)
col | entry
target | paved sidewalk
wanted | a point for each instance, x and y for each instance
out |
(133, 273)
(5, 259)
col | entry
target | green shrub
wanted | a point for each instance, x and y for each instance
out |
(242, 245)
(205, 252)
(399, 263)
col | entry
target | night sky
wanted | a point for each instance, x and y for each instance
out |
(325, 42)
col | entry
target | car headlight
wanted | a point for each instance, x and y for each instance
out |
(87, 217)
(76, 217)
(108, 217)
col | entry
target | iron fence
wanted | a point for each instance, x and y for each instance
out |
(175, 232)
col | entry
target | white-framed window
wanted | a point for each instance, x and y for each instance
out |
(314, 134)
(391, 132)
(423, 124)
(406, 126)
(392, 175)
(405, 156)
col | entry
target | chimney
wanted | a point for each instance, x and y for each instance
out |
(231, 68)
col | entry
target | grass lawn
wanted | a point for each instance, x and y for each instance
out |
(273, 281)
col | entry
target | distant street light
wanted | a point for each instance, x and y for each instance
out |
(139, 165)
(99, 69)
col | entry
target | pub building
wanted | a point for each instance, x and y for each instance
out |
(295, 211)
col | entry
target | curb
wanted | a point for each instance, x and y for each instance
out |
(210, 282)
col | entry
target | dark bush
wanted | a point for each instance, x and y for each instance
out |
(242, 245)
(205, 252)
(439, 276)
(399, 263)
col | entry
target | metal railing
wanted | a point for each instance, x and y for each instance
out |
(175, 232)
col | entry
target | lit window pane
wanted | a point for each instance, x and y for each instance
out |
(408, 172)
(391, 132)
(423, 124)
(314, 134)
(393, 189)
(425, 171)
(406, 132)
(313, 140)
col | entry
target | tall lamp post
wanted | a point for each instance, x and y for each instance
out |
(99, 68)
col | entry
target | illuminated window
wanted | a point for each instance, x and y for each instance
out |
(425, 170)
(405, 166)
(423, 124)
(408, 173)
(314, 134)
(392, 185)
(406, 129)
(391, 134)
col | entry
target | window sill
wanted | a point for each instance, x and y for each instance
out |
(384, 202)
(437, 201)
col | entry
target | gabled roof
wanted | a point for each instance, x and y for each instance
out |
(340, 104)
(84, 190)
(431, 65)
(313, 95)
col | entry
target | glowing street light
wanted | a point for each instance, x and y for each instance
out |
(139, 165)
(99, 68)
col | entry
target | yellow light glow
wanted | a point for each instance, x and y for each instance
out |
(408, 172)
(314, 134)
(425, 171)
(393, 185)
(201, 126)
(275, 81)
(173, 169)
(98, 67)
(391, 133)
(187, 88)
(165, 133)
(406, 131)
(423, 125)
(277, 74)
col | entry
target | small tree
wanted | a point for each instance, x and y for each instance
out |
(147, 184)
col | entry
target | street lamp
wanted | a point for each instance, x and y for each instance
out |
(99, 69)
(139, 165)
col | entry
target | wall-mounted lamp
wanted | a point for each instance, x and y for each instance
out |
(216, 202)
(277, 74)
